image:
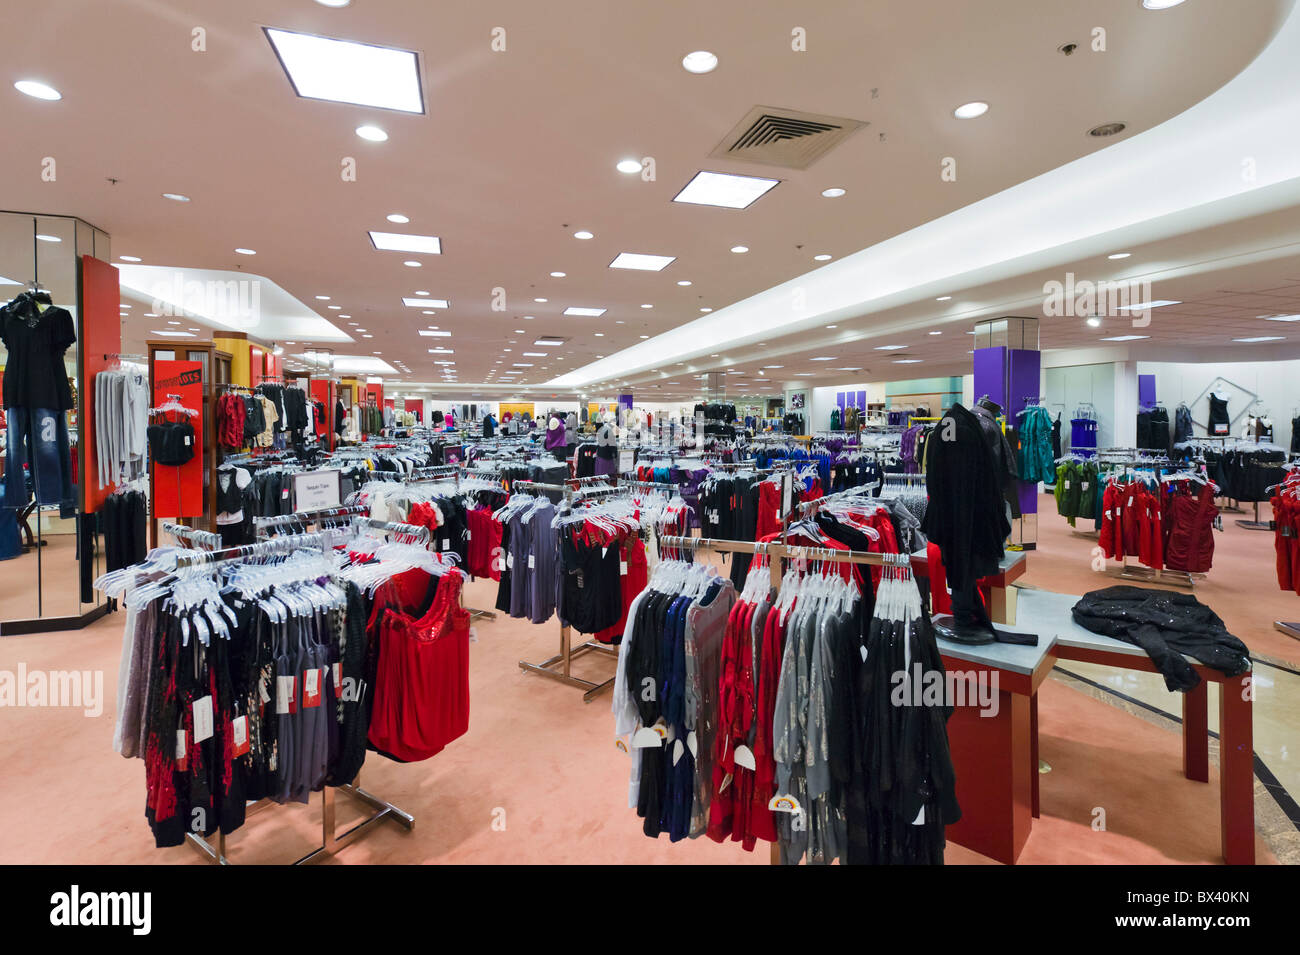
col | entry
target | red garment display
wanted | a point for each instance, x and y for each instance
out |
(1190, 519)
(422, 677)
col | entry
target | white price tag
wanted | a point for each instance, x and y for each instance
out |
(202, 719)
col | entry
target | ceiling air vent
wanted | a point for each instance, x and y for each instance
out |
(785, 137)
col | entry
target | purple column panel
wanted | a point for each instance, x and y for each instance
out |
(991, 373)
(1023, 368)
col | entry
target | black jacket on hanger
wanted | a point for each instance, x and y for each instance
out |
(1004, 459)
(965, 516)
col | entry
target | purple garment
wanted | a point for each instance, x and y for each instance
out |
(555, 438)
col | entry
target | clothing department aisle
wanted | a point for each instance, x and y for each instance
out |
(542, 765)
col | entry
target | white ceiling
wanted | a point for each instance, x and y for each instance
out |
(518, 147)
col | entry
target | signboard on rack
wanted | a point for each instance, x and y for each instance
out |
(317, 490)
(178, 489)
(626, 460)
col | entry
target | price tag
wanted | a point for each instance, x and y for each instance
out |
(338, 674)
(787, 487)
(284, 701)
(311, 688)
(202, 719)
(182, 760)
(622, 568)
(781, 803)
(532, 561)
(646, 738)
(239, 735)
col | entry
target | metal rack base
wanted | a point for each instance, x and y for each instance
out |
(1291, 629)
(331, 841)
(558, 667)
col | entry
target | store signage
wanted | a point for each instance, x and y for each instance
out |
(316, 490)
(178, 491)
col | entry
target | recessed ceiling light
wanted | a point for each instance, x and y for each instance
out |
(584, 234)
(412, 264)
(421, 292)
(557, 275)
(647, 306)
(1094, 322)
(642, 263)
(431, 333)
(1281, 318)
(173, 333)
(175, 197)
(725, 190)
(442, 351)
(700, 61)
(684, 282)
(889, 347)
(906, 361)
(367, 336)
(172, 322)
(322, 298)
(1119, 255)
(1160, 4)
(765, 366)
(823, 358)
(425, 303)
(585, 312)
(398, 218)
(342, 71)
(38, 90)
(834, 192)
(936, 333)
(1107, 129)
(832, 326)
(702, 310)
(549, 342)
(628, 166)
(600, 334)
(1124, 338)
(344, 316)
(372, 133)
(971, 110)
(334, 308)
(246, 251)
(739, 249)
(645, 336)
(129, 258)
(402, 242)
(944, 298)
(824, 257)
(1261, 338)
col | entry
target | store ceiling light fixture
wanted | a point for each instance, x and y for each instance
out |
(740, 249)
(971, 110)
(246, 251)
(890, 347)
(1283, 318)
(38, 90)
(343, 71)
(129, 258)
(372, 134)
(642, 262)
(404, 242)
(398, 218)
(834, 192)
(175, 197)
(700, 61)
(584, 234)
(628, 166)
(549, 342)
(585, 312)
(425, 303)
(725, 190)
(1160, 4)
(1142, 306)
(1119, 255)
(1261, 338)
(824, 257)
(1124, 338)
(432, 333)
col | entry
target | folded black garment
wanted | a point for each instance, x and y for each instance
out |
(1166, 625)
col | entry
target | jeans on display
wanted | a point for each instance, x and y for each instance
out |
(11, 544)
(38, 439)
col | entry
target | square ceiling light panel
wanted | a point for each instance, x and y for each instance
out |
(584, 312)
(400, 242)
(341, 71)
(425, 302)
(434, 333)
(642, 263)
(725, 190)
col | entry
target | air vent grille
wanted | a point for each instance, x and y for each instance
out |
(783, 137)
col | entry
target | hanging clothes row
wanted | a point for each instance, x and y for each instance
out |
(121, 419)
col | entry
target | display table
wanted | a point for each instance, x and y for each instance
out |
(995, 748)
(1048, 614)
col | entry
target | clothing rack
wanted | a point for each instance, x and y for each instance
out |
(560, 666)
(331, 840)
(309, 517)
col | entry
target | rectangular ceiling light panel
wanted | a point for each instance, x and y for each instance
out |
(402, 242)
(642, 262)
(425, 303)
(432, 333)
(585, 312)
(342, 71)
(725, 190)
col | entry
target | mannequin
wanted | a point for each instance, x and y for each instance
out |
(555, 434)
